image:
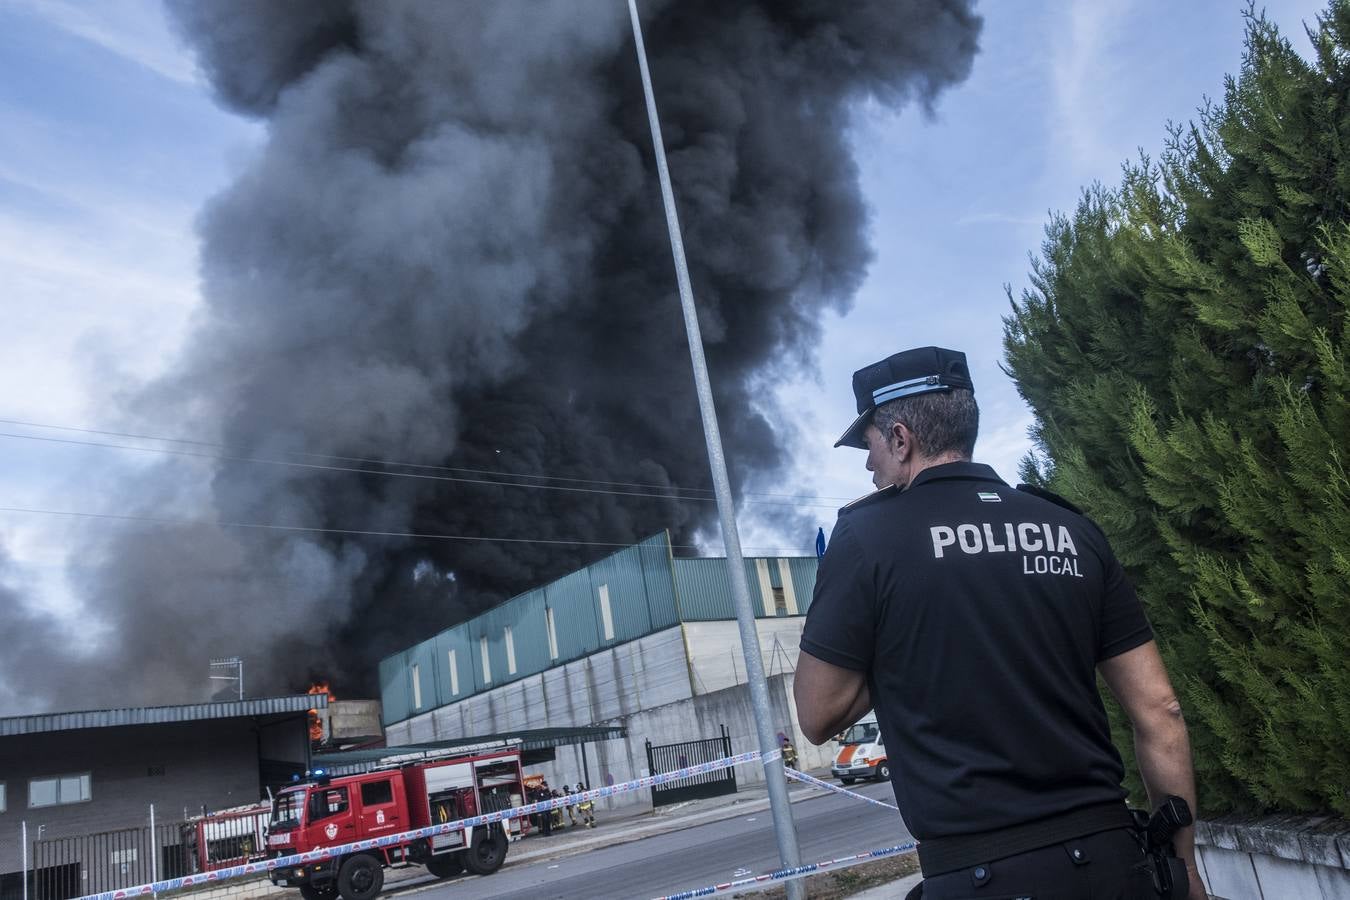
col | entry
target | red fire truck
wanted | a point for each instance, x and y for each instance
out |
(402, 794)
(229, 837)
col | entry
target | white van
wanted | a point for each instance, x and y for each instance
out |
(861, 753)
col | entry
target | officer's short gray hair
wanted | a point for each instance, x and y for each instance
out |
(943, 422)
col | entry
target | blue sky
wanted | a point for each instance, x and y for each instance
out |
(110, 143)
(1061, 95)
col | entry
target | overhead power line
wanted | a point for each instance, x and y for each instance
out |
(796, 502)
(360, 459)
(356, 532)
(423, 476)
(409, 465)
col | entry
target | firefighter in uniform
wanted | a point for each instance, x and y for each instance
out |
(542, 793)
(975, 617)
(571, 807)
(586, 807)
(557, 811)
(789, 751)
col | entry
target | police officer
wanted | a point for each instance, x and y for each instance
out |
(975, 617)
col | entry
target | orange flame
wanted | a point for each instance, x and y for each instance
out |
(315, 726)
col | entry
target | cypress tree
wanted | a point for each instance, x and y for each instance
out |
(1182, 345)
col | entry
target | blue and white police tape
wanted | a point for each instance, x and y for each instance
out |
(772, 878)
(834, 788)
(388, 840)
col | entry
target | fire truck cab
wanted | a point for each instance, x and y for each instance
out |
(395, 798)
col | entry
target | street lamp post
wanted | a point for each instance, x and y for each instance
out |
(784, 828)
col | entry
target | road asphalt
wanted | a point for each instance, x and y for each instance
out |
(639, 823)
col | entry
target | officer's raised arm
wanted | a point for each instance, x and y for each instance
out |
(829, 698)
(830, 685)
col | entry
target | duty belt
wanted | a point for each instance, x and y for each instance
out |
(938, 856)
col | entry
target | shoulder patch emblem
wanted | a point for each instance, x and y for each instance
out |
(989, 497)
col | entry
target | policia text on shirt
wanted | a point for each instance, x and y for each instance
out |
(975, 619)
(1024, 537)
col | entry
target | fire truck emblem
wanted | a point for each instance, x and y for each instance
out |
(330, 831)
(379, 817)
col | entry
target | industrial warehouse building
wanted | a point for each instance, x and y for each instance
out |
(639, 640)
(81, 785)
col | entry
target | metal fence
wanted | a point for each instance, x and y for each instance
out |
(671, 757)
(73, 866)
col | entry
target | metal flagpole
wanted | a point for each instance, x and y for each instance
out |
(784, 828)
(24, 826)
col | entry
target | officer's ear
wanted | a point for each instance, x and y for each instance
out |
(902, 439)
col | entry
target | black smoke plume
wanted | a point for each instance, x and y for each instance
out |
(451, 251)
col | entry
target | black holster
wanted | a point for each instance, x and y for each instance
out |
(1170, 879)
(1179, 880)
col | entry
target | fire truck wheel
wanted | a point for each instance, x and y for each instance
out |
(487, 851)
(446, 865)
(883, 772)
(360, 877)
(323, 891)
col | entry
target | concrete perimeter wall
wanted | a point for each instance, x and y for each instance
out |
(716, 660)
(645, 686)
(1275, 858)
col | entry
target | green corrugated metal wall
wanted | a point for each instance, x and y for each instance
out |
(621, 577)
(530, 634)
(394, 693)
(456, 639)
(704, 587)
(423, 657)
(648, 591)
(660, 583)
(574, 615)
(803, 572)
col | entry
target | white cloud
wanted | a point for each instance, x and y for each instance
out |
(1005, 443)
(1088, 80)
(999, 218)
(132, 29)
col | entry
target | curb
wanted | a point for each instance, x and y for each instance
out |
(896, 890)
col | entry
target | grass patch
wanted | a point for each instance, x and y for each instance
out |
(847, 882)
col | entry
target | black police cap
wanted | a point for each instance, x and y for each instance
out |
(906, 374)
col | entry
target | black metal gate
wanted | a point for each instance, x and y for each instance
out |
(673, 757)
(108, 861)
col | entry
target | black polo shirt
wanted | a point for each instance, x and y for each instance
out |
(979, 613)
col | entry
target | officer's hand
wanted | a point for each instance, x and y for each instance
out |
(1197, 887)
